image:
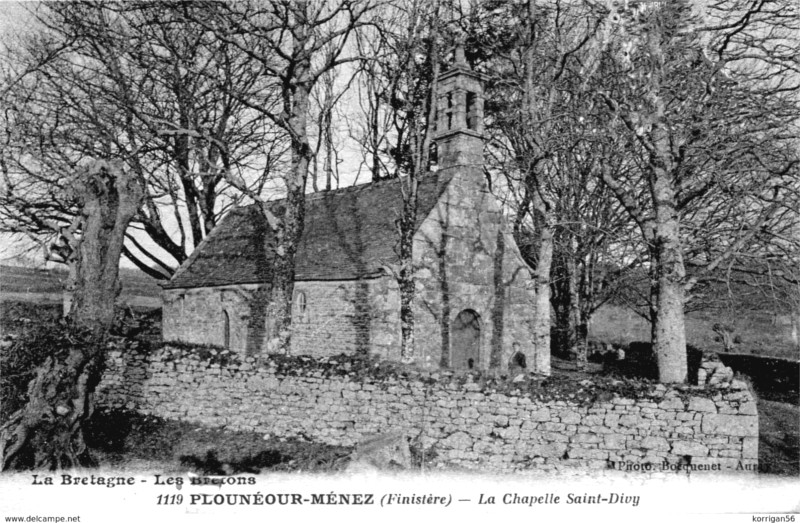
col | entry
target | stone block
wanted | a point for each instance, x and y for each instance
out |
(540, 415)
(730, 425)
(750, 448)
(738, 396)
(486, 418)
(629, 421)
(671, 404)
(701, 405)
(654, 443)
(479, 430)
(581, 453)
(548, 450)
(554, 436)
(570, 417)
(511, 433)
(470, 413)
(748, 408)
(585, 438)
(592, 420)
(614, 441)
(689, 448)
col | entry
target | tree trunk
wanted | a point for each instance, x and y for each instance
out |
(586, 304)
(421, 137)
(288, 234)
(109, 200)
(375, 137)
(559, 296)
(582, 338)
(289, 228)
(575, 312)
(567, 305)
(48, 431)
(668, 329)
(541, 311)
(406, 273)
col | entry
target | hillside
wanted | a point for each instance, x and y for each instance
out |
(758, 332)
(46, 285)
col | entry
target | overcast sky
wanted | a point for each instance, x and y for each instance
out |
(13, 16)
(13, 20)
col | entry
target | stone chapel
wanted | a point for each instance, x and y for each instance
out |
(473, 290)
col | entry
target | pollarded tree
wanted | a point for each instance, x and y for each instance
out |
(705, 112)
(47, 432)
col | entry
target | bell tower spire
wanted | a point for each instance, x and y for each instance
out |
(459, 123)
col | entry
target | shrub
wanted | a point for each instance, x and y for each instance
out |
(24, 352)
(18, 316)
(641, 362)
(131, 322)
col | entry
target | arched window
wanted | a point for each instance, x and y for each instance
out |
(226, 330)
(300, 305)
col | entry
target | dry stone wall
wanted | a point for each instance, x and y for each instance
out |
(458, 421)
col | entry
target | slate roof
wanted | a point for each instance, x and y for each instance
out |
(349, 233)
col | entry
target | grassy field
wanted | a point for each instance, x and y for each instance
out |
(779, 438)
(43, 286)
(759, 332)
(48, 281)
(119, 438)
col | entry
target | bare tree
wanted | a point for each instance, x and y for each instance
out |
(295, 43)
(707, 112)
(595, 251)
(400, 111)
(142, 83)
(534, 58)
(328, 97)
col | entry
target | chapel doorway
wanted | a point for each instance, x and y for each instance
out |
(465, 340)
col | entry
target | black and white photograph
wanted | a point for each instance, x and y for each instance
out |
(379, 259)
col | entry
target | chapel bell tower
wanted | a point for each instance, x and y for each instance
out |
(459, 108)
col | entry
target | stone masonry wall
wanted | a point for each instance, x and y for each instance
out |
(335, 317)
(462, 422)
(467, 259)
